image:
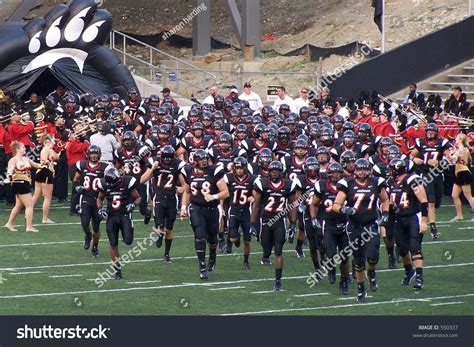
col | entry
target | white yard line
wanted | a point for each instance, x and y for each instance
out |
(352, 297)
(26, 273)
(227, 288)
(447, 303)
(330, 307)
(310, 294)
(266, 291)
(143, 282)
(62, 276)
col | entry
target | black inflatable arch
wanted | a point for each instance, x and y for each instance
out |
(66, 44)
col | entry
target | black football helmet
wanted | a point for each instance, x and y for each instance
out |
(155, 130)
(348, 126)
(261, 132)
(394, 152)
(304, 112)
(301, 148)
(129, 140)
(241, 131)
(284, 109)
(348, 159)
(431, 131)
(93, 153)
(265, 111)
(111, 177)
(240, 163)
(365, 131)
(334, 172)
(284, 134)
(167, 156)
(201, 159)
(396, 168)
(264, 157)
(225, 141)
(384, 144)
(311, 167)
(275, 170)
(323, 155)
(338, 122)
(362, 169)
(197, 129)
(348, 138)
(327, 137)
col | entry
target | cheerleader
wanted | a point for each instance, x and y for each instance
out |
(463, 176)
(19, 171)
(45, 176)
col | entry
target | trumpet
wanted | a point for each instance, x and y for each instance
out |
(25, 117)
(420, 117)
(460, 120)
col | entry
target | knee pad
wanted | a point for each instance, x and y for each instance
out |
(372, 261)
(200, 245)
(359, 263)
(212, 240)
(417, 255)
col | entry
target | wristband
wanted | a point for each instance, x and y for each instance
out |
(424, 209)
(183, 207)
(215, 197)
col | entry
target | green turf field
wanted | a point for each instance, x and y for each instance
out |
(50, 273)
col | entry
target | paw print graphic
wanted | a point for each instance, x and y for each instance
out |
(73, 33)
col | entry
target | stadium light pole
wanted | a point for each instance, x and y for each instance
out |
(383, 27)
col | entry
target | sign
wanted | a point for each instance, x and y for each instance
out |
(272, 93)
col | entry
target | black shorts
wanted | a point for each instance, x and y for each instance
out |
(205, 222)
(273, 237)
(44, 175)
(119, 223)
(463, 178)
(165, 208)
(239, 217)
(365, 240)
(335, 238)
(407, 235)
(21, 187)
(434, 189)
(89, 213)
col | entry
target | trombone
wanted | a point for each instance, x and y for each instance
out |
(25, 117)
(420, 117)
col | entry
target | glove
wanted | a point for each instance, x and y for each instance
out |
(103, 213)
(383, 220)
(301, 208)
(315, 223)
(130, 207)
(79, 189)
(348, 210)
(254, 231)
(291, 232)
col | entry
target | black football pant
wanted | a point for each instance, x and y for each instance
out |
(408, 236)
(165, 208)
(273, 236)
(89, 213)
(60, 179)
(119, 223)
(335, 238)
(239, 217)
(142, 189)
(205, 222)
(365, 242)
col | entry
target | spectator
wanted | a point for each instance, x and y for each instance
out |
(254, 100)
(412, 94)
(303, 99)
(210, 99)
(283, 99)
(106, 141)
(234, 94)
(167, 97)
(341, 108)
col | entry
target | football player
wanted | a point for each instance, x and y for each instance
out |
(407, 199)
(240, 184)
(88, 174)
(358, 198)
(204, 187)
(271, 197)
(165, 171)
(122, 198)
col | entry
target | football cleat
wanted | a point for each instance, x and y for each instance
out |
(222, 243)
(344, 286)
(418, 283)
(95, 252)
(265, 261)
(409, 276)
(159, 241)
(246, 265)
(147, 218)
(372, 281)
(87, 241)
(392, 264)
(211, 266)
(361, 296)
(300, 253)
(228, 248)
(118, 275)
(203, 274)
(332, 276)
(166, 259)
(237, 243)
(276, 286)
(434, 232)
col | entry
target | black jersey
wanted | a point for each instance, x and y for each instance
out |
(283, 149)
(225, 159)
(431, 150)
(306, 185)
(132, 162)
(191, 145)
(326, 192)
(362, 197)
(155, 144)
(274, 196)
(257, 170)
(370, 145)
(379, 165)
(203, 183)
(292, 168)
(359, 150)
(120, 196)
(90, 177)
(165, 179)
(403, 197)
(240, 190)
(252, 148)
